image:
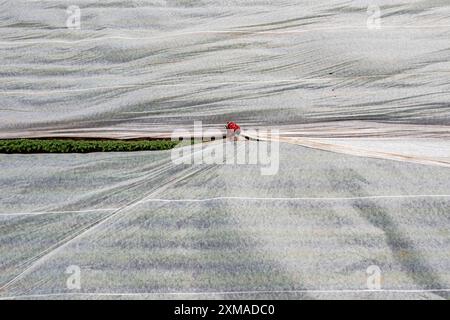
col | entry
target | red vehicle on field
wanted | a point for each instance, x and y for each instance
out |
(233, 130)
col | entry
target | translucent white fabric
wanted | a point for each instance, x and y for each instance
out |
(139, 226)
(147, 67)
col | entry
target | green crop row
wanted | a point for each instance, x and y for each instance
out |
(81, 146)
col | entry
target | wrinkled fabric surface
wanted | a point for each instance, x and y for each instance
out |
(149, 66)
(140, 226)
